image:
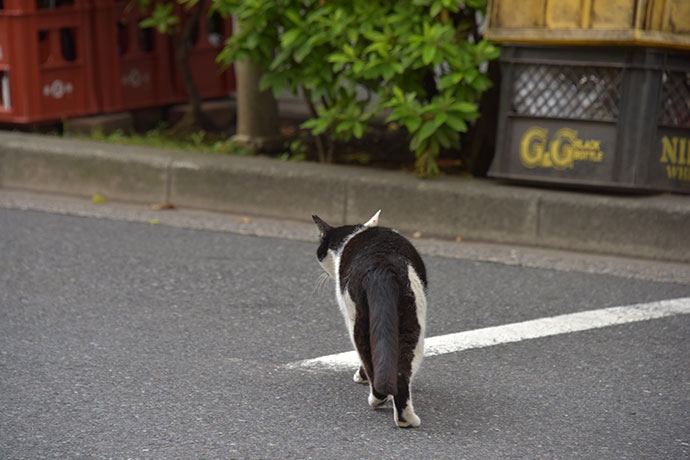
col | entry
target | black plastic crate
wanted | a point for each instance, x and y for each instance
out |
(596, 117)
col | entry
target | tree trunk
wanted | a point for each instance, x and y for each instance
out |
(257, 112)
(193, 119)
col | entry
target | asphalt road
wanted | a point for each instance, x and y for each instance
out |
(123, 340)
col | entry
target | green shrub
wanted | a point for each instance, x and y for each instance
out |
(411, 61)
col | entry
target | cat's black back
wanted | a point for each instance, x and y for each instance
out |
(378, 248)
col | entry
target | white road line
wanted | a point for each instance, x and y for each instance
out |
(516, 332)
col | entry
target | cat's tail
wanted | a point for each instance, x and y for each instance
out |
(383, 293)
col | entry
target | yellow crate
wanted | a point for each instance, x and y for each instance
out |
(591, 22)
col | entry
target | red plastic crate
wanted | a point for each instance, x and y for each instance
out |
(210, 78)
(68, 58)
(5, 96)
(25, 6)
(133, 65)
(45, 71)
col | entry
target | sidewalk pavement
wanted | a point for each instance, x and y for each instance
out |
(656, 226)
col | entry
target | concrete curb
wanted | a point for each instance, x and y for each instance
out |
(638, 226)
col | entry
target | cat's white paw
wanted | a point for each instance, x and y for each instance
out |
(358, 378)
(376, 402)
(409, 418)
(413, 421)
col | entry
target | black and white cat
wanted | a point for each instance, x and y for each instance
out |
(380, 286)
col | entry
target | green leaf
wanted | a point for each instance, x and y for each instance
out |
(344, 126)
(440, 118)
(491, 52)
(374, 36)
(398, 93)
(428, 54)
(471, 74)
(349, 51)
(387, 72)
(302, 52)
(352, 34)
(463, 107)
(457, 123)
(412, 123)
(320, 126)
(379, 47)
(282, 57)
(290, 37)
(358, 130)
(309, 124)
(449, 80)
(147, 23)
(265, 82)
(427, 130)
(252, 41)
(294, 16)
(339, 58)
(442, 137)
(274, 80)
(481, 83)
(436, 8)
(162, 19)
(417, 144)
(451, 5)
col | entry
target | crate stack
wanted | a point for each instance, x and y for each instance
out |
(134, 65)
(45, 64)
(69, 58)
(594, 93)
(207, 42)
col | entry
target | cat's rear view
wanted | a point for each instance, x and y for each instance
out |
(380, 283)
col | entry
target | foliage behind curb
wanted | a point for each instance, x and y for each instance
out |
(420, 60)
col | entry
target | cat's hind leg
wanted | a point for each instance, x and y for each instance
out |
(403, 412)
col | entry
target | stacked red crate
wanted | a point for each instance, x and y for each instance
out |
(212, 80)
(134, 65)
(45, 71)
(70, 58)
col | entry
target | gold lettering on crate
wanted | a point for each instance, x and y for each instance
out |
(675, 154)
(563, 150)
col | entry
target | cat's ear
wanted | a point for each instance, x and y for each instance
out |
(374, 221)
(323, 226)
